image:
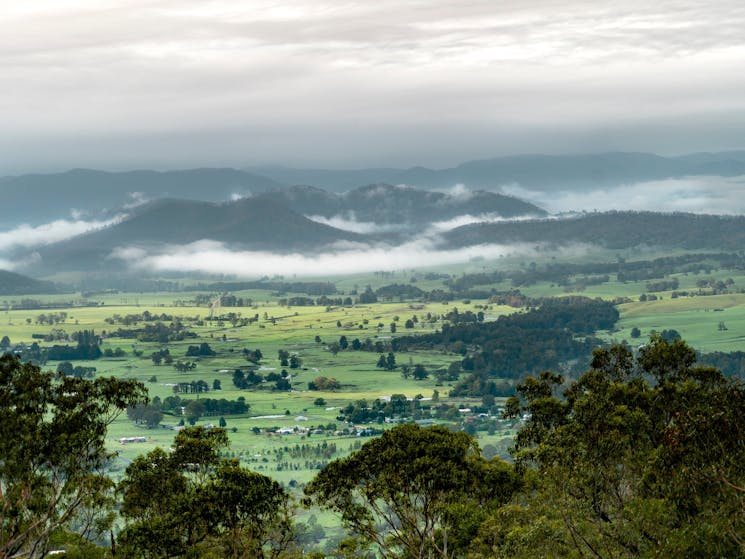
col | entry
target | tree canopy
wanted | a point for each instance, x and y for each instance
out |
(642, 457)
(414, 492)
(52, 450)
(190, 502)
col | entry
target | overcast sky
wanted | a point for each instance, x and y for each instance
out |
(119, 84)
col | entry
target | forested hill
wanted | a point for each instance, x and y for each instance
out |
(387, 204)
(615, 230)
(17, 284)
(256, 224)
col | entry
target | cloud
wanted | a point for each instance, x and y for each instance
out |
(215, 258)
(467, 219)
(460, 192)
(710, 195)
(19, 263)
(350, 223)
(25, 236)
(347, 83)
(135, 199)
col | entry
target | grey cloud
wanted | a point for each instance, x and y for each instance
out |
(302, 81)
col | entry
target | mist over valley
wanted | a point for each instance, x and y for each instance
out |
(225, 221)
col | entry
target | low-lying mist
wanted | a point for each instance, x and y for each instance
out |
(215, 258)
(349, 223)
(15, 242)
(706, 195)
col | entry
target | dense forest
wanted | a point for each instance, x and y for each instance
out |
(613, 230)
(558, 334)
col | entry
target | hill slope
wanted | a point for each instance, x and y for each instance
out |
(612, 229)
(386, 204)
(255, 224)
(17, 284)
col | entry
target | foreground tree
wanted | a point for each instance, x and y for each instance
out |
(190, 502)
(52, 450)
(641, 458)
(414, 493)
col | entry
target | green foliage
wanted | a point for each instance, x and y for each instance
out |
(190, 502)
(629, 467)
(52, 449)
(406, 492)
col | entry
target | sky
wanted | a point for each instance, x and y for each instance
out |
(122, 84)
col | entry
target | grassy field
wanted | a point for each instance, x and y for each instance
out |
(698, 319)
(288, 328)
(295, 458)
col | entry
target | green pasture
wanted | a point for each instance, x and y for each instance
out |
(698, 319)
(290, 328)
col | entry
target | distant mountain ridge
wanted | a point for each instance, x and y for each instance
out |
(99, 194)
(539, 172)
(102, 193)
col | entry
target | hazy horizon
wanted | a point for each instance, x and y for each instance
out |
(123, 84)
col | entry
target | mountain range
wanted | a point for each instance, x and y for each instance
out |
(272, 221)
(37, 198)
(535, 172)
(253, 211)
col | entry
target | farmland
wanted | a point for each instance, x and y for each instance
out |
(312, 335)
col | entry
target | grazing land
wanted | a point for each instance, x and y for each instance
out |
(299, 379)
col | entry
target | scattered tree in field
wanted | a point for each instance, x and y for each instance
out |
(390, 361)
(420, 372)
(148, 415)
(160, 356)
(201, 350)
(284, 357)
(324, 383)
(184, 366)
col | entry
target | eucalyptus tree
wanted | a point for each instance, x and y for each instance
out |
(641, 457)
(414, 492)
(190, 502)
(52, 450)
